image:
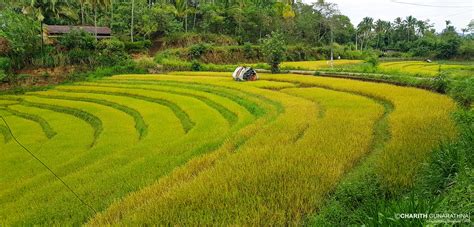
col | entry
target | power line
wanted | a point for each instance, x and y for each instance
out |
(459, 13)
(49, 169)
(428, 5)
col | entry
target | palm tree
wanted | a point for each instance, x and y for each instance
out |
(365, 28)
(381, 28)
(96, 4)
(182, 11)
(410, 26)
(82, 4)
(45, 10)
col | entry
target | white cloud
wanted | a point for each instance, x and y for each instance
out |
(455, 11)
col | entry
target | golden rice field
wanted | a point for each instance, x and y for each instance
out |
(317, 65)
(421, 68)
(199, 149)
(409, 68)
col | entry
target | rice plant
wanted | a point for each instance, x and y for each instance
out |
(196, 148)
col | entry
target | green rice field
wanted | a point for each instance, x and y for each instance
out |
(197, 148)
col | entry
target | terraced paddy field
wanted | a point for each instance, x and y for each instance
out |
(199, 148)
(406, 68)
(317, 65)
(420, 68)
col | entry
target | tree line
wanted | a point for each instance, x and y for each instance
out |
(316, 24)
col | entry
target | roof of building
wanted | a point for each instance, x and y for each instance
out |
(63, 29)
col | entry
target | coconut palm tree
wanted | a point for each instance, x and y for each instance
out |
(365, 28)
(410, 23)
(182, 11)
(46, 10)
(96, 4)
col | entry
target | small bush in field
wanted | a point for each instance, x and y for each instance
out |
(274, 49)
(440, 84)
(373, 61)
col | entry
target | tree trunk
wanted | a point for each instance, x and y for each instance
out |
(42, 43)
(356, 42)
(194, 21)
(111, 13)
(186, 23)
(131, 28)
(95, 22)
(82, 13)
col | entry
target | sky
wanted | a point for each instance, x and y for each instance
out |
(459, 12)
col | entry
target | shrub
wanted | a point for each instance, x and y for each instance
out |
(180, 39)
(20, 37)
(466, 50)
(462, 91)
(373, 61)
(5, 64)
(78, 38)
(195, 66)
(4, 46)
(138, 46)
(449, 48)
(80, 56)
(274, 49)
(439, 83)
(111, 52)
(145, 63)
(249, 53)
(195, 51)
(3, 75)
(110, 45)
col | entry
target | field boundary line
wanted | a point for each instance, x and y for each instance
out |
(140, 125)
(230, 116)
(89, 118)
(208, 88)
(47, 129)
(182, 116)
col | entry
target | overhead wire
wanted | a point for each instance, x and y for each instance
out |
(430, 5)
(47, 167)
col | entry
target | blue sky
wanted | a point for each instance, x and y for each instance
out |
(459, 12)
